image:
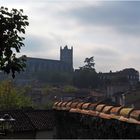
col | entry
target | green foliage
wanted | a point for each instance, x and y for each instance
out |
(11, 98)
(86, 79)
(86, 76)
(48, 89)
(27, 89)
(49, 105)
(89, 64)
(54, 77)
(12, 23)
(69, 89)
(61, 78)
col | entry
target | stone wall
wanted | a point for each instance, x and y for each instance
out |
(74, 125)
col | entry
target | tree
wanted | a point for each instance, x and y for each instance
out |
(86, 76)
(12, 23)
(11, 98)
(69, 89)
(89, 64)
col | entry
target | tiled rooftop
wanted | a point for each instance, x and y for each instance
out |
(41, 119)
(30, 120)
(22, 122)
(121, 113)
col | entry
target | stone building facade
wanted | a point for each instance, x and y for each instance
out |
(126, 75)
(65, 64)
(36, 68)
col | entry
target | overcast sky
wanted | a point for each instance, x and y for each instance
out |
(107, 30)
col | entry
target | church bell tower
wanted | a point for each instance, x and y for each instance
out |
(66, 55)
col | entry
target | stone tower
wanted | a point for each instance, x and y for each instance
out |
(66, 55)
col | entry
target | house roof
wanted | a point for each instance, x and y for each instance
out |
(120, 113)
(97, 94)
(41, 119)
(21, 123)
(30, 120)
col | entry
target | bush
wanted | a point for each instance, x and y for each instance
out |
(11, 98)
(70, 89)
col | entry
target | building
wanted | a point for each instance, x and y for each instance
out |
(119, 81)
(65, 64)
(128, 98)
(95, 120)
(39, 70)
(28, 124)
(129, 75)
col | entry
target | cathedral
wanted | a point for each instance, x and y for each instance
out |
(36, 67)
(65, 64)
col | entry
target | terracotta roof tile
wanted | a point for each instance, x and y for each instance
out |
(58, 106)
(125, 112)
(55, 104)
(63, 106)
(107, 109)
(93, 113)
(135, 114)
(85, 105)
(68, 105)
(92, 106)
(104, 111)
(75, 110)
(79, 105)
(116, 110)
(100, 107)
(74, 104)
(104, 116)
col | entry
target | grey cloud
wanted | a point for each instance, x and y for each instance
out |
(106, 52)
(36, 44)
(43, 47)
(33, 43)
(124, 16)
(22, 2)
